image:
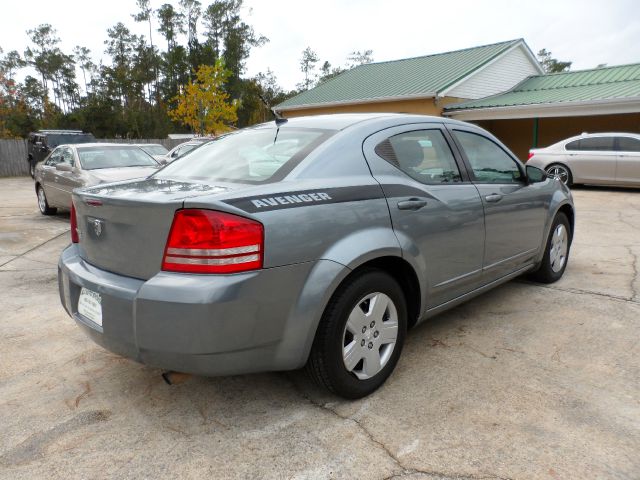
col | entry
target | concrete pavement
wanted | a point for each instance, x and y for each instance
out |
(524, 382)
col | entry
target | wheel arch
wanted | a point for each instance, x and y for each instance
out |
(568, 210)
(403, 273)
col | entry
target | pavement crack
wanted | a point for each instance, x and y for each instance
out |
(34, 248)
(583, 292)
(405, 470)
(634, 280)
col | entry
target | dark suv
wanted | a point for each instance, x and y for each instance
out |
(42, 142)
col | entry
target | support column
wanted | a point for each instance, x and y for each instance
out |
(535, 133)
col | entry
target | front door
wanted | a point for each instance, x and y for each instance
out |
(514, 211)
(436, 211)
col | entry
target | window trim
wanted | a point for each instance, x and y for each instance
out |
(472, 175)
(370, 142)
(617, 148)
(461, 171)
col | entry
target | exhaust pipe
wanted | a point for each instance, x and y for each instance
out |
(175, 378)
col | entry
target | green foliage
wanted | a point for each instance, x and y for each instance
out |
(550, 64)
(204, 106)
(131, 94)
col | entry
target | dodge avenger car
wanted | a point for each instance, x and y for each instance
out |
(316, 242)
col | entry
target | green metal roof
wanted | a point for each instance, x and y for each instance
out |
(408, 77)
(605, 83)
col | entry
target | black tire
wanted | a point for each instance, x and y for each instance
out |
(546, 272)
(569, 176)
(32, 168)
(43, 204)
(326, 364)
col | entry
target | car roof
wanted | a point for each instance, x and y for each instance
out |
(601, 134)
(99, 144)
(341, 121)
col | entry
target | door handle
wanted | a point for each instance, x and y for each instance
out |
(412, 204)
(493, 198)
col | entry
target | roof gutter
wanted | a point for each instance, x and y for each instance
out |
(540, 110)
(306, 106)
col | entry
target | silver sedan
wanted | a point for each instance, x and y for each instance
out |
(597, 159)
(72, 166)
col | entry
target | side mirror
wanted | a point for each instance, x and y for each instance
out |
(64, 167)
(535, 174)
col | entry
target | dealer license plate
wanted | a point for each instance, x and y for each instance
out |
(90, 305)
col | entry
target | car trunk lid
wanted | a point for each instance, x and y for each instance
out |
(124, 226)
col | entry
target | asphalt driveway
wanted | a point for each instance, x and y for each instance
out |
(527, 381)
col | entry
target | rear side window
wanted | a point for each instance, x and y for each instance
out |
(592, 144)
(489, 162)
(248, 156)
(424, 155)
(628, 144)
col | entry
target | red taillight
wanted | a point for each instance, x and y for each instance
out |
(75, 238)
(530, 155)
(206, 241)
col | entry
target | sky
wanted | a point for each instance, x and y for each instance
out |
(586, 32)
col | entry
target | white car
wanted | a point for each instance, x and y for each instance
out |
(593, 158)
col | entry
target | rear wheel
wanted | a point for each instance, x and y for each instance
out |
(43, 205)
(32, 168)
(360, 336)
(556, 253)
(560, 172)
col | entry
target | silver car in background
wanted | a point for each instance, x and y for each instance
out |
(156, 150)
(592, 158)
(82, 165)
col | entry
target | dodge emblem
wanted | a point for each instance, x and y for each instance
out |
(97, 226)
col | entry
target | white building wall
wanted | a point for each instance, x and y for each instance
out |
(497, 77)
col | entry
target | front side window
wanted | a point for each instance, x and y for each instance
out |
(628, 144)
(248, 156)
(489, 162)
(67, 156)
(54, 158)
(424, 155)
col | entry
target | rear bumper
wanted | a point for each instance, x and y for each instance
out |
(205, 324)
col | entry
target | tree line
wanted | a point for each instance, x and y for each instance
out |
(186, 75)
(148, 84)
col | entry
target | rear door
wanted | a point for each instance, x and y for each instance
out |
(592, 160)
(436, 211)
(514, 211)
(628, 164)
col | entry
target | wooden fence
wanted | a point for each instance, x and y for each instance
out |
(13, 152)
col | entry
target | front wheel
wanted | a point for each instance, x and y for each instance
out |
(43, 205)
(556, 253)
(360, 336)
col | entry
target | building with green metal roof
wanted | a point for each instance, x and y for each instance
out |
(597, 91)
(544, 109)
(501, 87)
(420, 84)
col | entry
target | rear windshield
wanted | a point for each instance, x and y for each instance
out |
(93, 158)
(248, 156)
(154, 149)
